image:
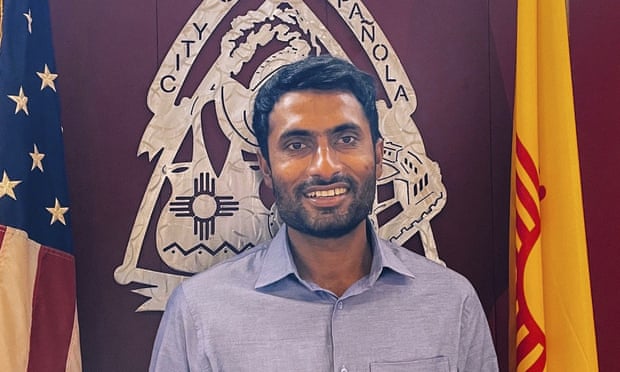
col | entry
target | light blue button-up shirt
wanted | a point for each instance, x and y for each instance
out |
(255, 313)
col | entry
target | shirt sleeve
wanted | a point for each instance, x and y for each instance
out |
(476, 350)
(178, 343)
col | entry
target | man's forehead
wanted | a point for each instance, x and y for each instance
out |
(318, 102)
(316, 92)
(317, 112)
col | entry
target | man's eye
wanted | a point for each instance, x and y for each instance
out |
(296, 146)
(347, 140)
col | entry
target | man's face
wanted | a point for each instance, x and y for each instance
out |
(323, 164)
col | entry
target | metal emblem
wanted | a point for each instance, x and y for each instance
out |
(212, 214)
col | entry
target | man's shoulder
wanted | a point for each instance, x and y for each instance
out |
(241, 269)
(429, 272)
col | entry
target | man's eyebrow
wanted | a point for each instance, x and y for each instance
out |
(345, 127)
(296, 133)
(309, 133)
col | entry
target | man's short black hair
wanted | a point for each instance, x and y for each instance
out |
(325, 73)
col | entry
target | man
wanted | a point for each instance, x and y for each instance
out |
(326, 294)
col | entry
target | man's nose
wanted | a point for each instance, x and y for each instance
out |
(325, 162)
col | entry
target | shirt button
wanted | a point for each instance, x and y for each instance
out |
(344, 369)
(340, 306)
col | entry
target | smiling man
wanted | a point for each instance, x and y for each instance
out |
(326, 294)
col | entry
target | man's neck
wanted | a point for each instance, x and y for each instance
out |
(334, 263)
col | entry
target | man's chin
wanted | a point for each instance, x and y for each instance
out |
(326, 229)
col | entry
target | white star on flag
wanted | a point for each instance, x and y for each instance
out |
(29, 19)
(37, 158)
(47, 78)
(58, 212)
(7, 186)
(21, 101)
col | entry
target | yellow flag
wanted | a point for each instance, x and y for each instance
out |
(554, 320)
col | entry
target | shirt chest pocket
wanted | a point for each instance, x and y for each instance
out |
(437, 364)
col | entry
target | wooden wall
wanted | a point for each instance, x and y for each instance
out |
(594, 41)
(460, 59)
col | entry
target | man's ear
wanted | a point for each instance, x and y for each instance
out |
(265, 169)
(379, 157)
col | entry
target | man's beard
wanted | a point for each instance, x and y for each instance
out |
(326, 222)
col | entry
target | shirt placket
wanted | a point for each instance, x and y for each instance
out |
(339, 336)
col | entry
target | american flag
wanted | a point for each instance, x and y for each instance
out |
(38, 318)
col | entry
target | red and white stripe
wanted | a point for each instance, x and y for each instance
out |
(38, 317)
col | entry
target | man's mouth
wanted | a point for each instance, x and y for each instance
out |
(327, 193)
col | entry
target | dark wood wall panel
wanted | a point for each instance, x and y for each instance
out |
(595, 37)
(458, 55)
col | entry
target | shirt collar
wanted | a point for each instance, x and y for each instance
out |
(386, 255)
(278, 262)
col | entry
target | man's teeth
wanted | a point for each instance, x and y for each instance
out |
(327, 193)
